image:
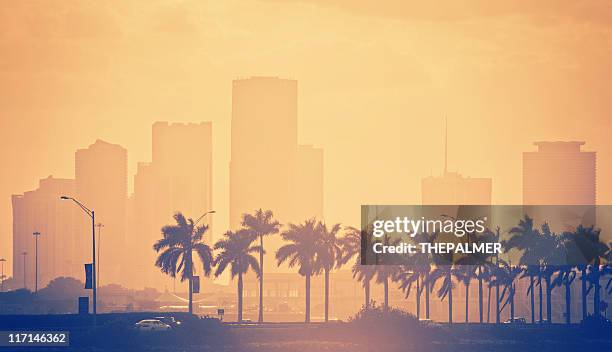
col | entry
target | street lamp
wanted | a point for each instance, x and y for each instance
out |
(36, 235)
(203, 215)
(2, 260)
(24, 268)
(92, 215)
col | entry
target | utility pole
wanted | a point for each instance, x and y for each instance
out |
(36, 235)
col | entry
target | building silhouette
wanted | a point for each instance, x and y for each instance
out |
(42, 210)
(179, 178)
(559, 173)
(268, 169)
(101, 184)
(451, 188)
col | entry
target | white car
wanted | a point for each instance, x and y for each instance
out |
(152, 325)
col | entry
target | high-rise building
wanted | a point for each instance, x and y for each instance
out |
(178, 179)
(268, 169)
(41, 210)
(559, 173)
(452, 188)
(263, 147)
(101, 185)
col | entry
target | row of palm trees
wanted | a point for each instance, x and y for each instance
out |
(315, 248)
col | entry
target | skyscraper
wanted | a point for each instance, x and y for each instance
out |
(42, 210)
(263, 147)
(179, 178)
(451, 188)
(268, 169)
(559, 173)
(101, 184)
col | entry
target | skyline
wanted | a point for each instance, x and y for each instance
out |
(132, 238)
(505, 75)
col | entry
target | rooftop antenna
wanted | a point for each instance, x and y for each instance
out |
(445, 145)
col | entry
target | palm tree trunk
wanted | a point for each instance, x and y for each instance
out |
(418, 299)
(597, 289)
(540, 294)
(450, 298)
(261, 278)
(568, 302)
(512, 302)
(366, 288)
(307, 298)
(427, 296)
(548, 299)
(190, 295)
(583, 278)
(531, 285)
(497, 308)
(480, 295)
(467, 302)
(489, 306)
(386, 287)
(326, 295)
(239, 297)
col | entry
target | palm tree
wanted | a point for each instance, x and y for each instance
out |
(177, 246)
(524, 237)
(331, 252)
(465, 273)
(589, 249)
(476, 266)
(414, 273)
(551, 252)
(565, 277)
(301, 251)
(505, 275)
(365, 274)
(445, 273)
(236, 252)
(260, 224)
(350, 244)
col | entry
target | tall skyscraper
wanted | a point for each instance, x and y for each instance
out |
(451, 188)
(268, 169)
(559, 173)
(263, 147)
(42, 211)
(101, 184)
(179, 178)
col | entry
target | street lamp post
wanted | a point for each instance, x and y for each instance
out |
(24, 268)
(203, 215)
(36, 235)
(2, 260)
(92, 215)
(191, 274)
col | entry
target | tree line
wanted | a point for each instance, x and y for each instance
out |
(315, 248)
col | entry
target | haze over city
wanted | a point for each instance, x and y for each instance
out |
(504, 76)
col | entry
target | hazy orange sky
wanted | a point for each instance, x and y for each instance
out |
(375, 80)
